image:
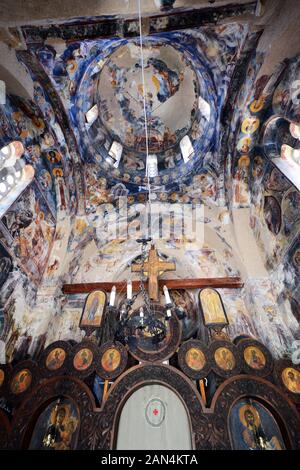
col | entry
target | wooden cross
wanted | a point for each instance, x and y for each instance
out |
(153, 268)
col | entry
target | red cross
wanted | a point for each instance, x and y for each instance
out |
(155, 412)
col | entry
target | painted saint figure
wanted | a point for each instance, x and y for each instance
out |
(212, 307)
(55, 427)
(166, 81)
(195, 359)
(254, 358)
(111, 360)
(224, 359)
(253, 427)
(55, 359)
(83, 359)
(254, 436)
(93, 309)
(291, 379)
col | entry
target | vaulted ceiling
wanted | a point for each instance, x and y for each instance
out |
(81, 68)
(211, 70)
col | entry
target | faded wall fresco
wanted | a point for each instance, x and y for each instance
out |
(28, 230)
(71, 157)
(272, 198)
(20, 120)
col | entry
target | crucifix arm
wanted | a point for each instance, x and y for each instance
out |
(165, 266)
(136, 268)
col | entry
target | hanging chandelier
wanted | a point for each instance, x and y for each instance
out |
(146, 323)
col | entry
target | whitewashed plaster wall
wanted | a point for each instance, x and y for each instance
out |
(17, 79)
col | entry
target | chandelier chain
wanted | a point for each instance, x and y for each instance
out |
(145, 116)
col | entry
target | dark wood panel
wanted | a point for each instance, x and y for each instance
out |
(217, 282)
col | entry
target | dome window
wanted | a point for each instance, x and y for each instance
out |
(186, 148)
(91, 115)
(15, 175)
(115, 152)
(152, 169)
(282, 146)
(204, 108)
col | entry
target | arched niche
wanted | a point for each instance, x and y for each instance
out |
(253, 426)
(281, 144)
(253, 388)
(141, 376)
(154, 417)
(277, 133)
(57, 426)
(69, 390)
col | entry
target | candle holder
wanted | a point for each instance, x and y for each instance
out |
(132, 325)
(168, 309)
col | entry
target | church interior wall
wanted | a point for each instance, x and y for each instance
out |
(253, 183)
(60, 231)
(269, 89)
(44, 105)
(57, 266)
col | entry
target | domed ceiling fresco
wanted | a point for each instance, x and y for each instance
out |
(187, 75)
(174, 80)
(170, 83)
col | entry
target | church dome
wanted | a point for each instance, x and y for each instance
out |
(179, 105)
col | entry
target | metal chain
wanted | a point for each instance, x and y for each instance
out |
(142, 281)
(145, 115)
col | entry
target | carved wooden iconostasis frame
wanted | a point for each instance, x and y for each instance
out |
(98, 426)
(5, 429)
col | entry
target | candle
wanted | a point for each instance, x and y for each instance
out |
(123, 311)
(142, 315)
(129, 290)
(167, 295)
(112, 297)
